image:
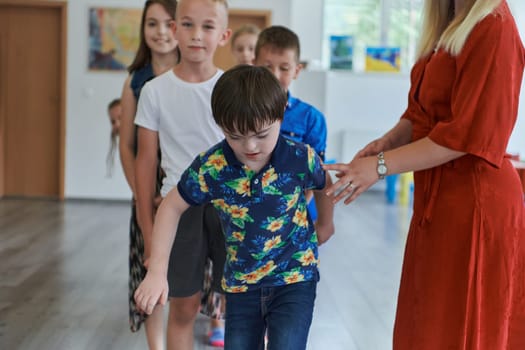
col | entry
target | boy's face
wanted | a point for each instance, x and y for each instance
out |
(281, 62)
(254, 149)
(200, 27)
(243, 48)
(157, 30)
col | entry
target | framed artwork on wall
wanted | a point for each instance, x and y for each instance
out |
(114, 36)
(341, 51)
(383, 59)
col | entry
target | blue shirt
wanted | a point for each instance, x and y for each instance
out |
(304, 123)
(270, 238)
(140, 77)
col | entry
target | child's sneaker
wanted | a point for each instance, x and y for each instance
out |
(216, 337)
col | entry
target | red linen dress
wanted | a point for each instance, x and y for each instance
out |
(463, 278)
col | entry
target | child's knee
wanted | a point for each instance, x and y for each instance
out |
(184, 310)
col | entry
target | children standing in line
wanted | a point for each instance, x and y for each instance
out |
(278, 49)
(114, 114)
(256, 179)
(174, 111)
(243, 43)
(157, 53)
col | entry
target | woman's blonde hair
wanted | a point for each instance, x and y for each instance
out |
(442, 28)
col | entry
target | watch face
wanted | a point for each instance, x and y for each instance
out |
(381, 169)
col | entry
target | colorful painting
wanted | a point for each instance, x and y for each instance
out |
(383, 59)
(114, 36)
(341, 51)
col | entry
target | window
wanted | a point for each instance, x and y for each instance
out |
(374, 23)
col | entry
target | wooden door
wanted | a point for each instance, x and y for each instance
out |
(237, 18)
(32, 67)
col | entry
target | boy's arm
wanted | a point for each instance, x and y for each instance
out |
(325, 213)
(127, 134)
(317, 132)
(154, 288)
(146, 174)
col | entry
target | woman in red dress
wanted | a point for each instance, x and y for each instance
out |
(463, 279)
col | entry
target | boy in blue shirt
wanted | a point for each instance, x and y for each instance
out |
(278, 49)
(256, 179)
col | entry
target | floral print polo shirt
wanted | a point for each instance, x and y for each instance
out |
(270, 238)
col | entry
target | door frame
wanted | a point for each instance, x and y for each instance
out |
(266, 14)
(62, 7)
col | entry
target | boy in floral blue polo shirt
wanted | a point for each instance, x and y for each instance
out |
(256, 179)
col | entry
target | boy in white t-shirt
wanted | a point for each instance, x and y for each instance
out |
(174, 110)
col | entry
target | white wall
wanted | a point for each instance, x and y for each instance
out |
(306, 19)
(280, 8)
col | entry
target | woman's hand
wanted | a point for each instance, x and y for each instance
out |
(354, 178)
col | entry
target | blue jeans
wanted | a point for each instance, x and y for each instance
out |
(284, 312)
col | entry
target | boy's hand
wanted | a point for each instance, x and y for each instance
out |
(152, 291)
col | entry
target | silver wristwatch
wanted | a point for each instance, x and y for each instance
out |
(381, 165)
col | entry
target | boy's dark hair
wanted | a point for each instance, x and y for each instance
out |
(280, 38)
(245, 98)
(114, 103)
(143, 55)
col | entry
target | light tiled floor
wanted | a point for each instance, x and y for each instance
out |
(64, 277)
(360, 269)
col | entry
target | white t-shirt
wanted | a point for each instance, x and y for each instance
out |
(181, 113)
